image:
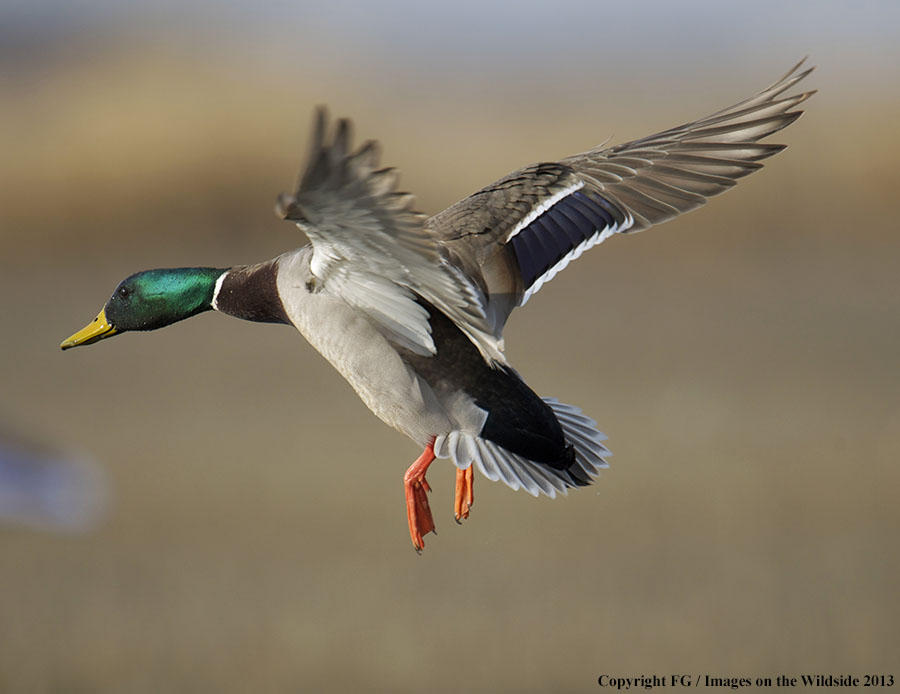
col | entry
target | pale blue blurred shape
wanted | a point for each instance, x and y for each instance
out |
(50, 491)
(483, 37)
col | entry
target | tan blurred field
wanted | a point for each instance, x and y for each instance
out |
(742, 359)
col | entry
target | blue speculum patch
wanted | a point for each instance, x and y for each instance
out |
(570, 222)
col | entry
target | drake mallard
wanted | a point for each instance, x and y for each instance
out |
(410, 310)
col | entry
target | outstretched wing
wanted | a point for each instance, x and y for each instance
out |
(372, 249)
(518, 233)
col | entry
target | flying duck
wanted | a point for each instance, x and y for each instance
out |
(410, 310)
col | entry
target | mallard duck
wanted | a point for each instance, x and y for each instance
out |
(410, 310)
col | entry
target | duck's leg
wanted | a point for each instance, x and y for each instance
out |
(418, 513)
(465, 494)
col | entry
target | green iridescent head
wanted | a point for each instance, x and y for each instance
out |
(149, 300)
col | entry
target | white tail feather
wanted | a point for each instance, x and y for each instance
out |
(497, 463)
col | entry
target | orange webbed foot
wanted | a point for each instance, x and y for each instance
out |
(416, 488)
(465, 494)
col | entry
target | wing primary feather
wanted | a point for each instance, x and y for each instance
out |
(341, 145)
(750, 130)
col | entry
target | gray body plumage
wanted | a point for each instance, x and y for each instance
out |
(365, 356)
(411, 310)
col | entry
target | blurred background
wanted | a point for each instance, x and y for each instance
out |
(252, 536)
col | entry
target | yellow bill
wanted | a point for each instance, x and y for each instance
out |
(96, 330)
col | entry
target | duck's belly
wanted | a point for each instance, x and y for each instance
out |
(385, 383)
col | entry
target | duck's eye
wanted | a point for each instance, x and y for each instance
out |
(124, 292)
